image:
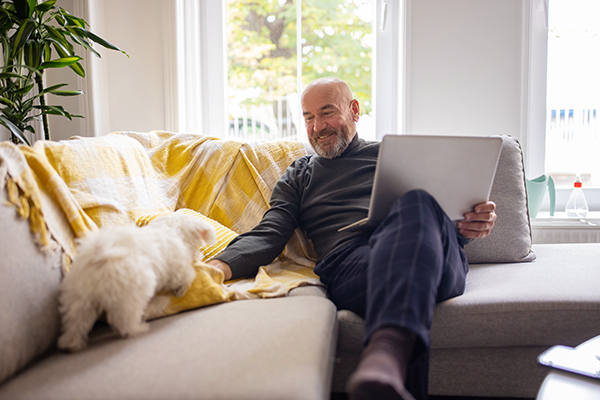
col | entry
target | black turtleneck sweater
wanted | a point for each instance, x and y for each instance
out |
(316, 194)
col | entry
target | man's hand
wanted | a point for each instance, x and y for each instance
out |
(218, 264)
(479, 223)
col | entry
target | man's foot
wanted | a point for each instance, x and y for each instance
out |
(382, 371)
(377, 378)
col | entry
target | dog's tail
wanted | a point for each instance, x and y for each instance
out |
(201, 231)
(208, 234)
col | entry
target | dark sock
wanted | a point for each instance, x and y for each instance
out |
(382, 371)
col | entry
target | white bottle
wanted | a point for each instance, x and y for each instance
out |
(576, 205)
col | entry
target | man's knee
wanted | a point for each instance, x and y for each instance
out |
(416, 197)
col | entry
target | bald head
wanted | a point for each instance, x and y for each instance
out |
(337, 88)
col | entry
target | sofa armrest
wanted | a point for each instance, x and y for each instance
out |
(29, 284)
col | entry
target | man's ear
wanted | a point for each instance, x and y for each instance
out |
(355, 107)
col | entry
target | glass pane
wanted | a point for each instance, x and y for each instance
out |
(263, 65)
(573, 92)
(337, 40)
(261, 40)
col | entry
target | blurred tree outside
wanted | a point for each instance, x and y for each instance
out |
(262, 54)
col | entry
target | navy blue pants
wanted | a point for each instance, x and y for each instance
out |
(396, 275)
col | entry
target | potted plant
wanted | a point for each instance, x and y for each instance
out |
(35, 37)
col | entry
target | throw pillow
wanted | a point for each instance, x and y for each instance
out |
(224, 234)
(510, 240)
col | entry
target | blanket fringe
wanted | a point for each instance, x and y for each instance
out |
(27, 208)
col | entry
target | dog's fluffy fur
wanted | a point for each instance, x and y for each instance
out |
(118, 270)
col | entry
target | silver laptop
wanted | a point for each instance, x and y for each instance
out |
(457, 171)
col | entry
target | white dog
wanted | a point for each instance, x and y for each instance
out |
(119, 269)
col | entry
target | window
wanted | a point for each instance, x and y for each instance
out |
(276, 47)
(253, 58)
(573, 92)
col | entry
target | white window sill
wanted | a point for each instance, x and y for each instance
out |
(592, 218)
(563, 229)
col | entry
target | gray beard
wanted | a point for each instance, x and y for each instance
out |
(336, 150)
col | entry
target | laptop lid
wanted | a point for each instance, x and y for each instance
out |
(458, 171)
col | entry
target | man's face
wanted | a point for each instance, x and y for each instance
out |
(330, 120)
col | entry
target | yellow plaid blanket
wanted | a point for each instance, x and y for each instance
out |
(75, 186)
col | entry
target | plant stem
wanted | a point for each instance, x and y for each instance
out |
(40, 84)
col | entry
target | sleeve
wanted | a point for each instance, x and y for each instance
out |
(260, 246)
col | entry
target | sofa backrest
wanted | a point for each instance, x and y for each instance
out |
(510, 240)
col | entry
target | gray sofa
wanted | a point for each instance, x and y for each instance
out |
(520, 299)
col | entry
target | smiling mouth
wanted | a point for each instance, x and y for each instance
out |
(324, 136)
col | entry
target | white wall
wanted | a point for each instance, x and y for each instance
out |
(465, 67)
(135, 86)
(127, 93)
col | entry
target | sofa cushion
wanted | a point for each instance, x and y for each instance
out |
(554, 300)
(254, 349)
(550, 301)
(510, 240)
(29, 281)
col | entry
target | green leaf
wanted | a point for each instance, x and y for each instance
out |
(33, 54)
(22, 8)
(22, 35)
(57, 110)
(81, 40)
(72, 20)
(78, 69)
(47, 52)
(31, 4)
(45, 6)
(14, 130)
(54, 110)
(60, 49)
(99, 40)
(27, 106)
(58, 38)
(6, 21)
(24, 90)
(66, 92)
(7, 102)
(8, 75)
(60, 62)
(54, 87)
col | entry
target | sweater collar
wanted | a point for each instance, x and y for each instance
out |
(353, 145)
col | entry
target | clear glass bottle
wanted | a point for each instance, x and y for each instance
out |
(576, 205)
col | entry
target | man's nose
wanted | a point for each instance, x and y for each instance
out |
(319, 124)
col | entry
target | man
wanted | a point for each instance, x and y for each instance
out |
(392, 276)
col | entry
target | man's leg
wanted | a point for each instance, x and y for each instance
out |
(416, 262)
(412, 261)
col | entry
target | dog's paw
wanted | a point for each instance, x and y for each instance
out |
(136, 329)
(71, 343)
